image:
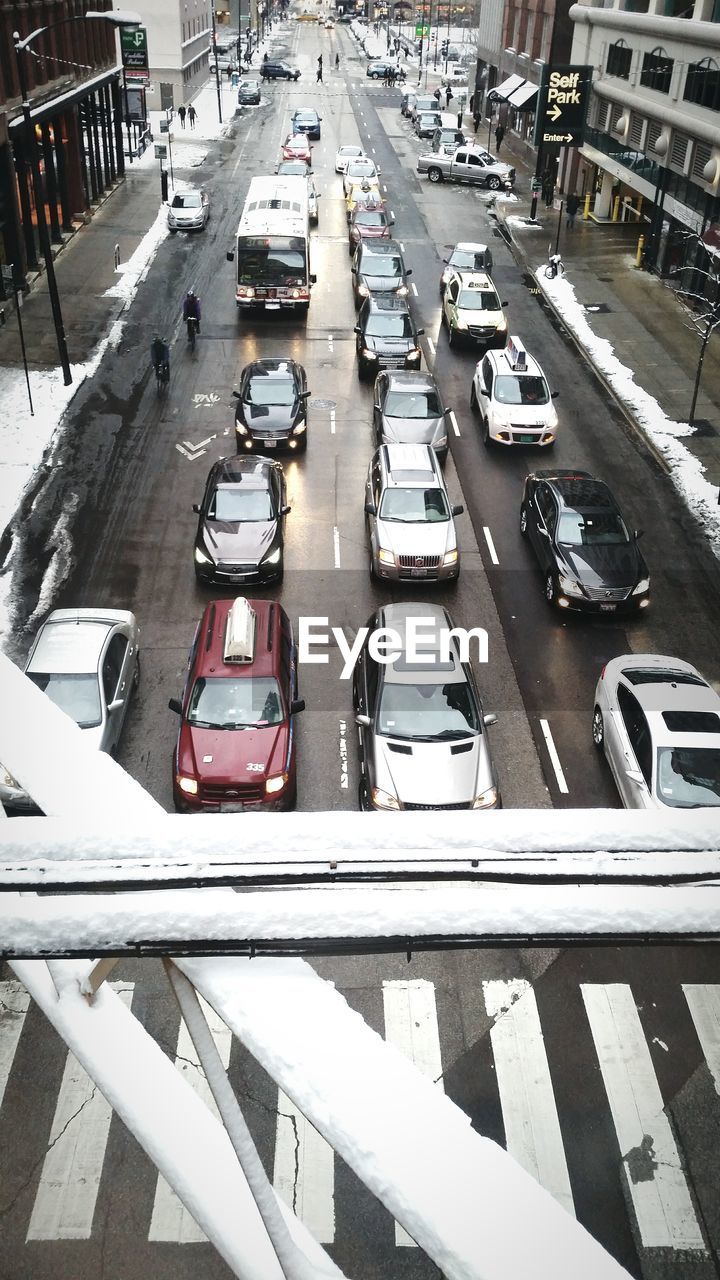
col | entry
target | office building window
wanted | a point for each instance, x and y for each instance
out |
(657, 71)
(702, 85)
(619, 58)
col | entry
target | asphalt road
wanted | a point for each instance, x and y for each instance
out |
(127, 492)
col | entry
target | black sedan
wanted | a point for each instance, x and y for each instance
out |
(386, 336)
(240, 533)
(589, 558)
(271, 409)
(379, 268)
(248, 93)
(306, 120)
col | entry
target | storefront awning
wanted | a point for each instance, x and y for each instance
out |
(506, 88)
(524, 98)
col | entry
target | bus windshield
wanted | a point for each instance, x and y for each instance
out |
(277, 266)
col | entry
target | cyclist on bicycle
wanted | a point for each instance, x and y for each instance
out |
(191, 307)
(160, 355)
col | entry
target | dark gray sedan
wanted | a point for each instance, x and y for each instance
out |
(240, 533)
(248, 93)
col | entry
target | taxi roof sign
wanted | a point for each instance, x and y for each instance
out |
(240, 632)
(516, 355)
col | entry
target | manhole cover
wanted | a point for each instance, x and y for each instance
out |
(323, 404)
(703, 427)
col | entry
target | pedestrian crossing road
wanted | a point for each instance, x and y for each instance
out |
(517, 1084)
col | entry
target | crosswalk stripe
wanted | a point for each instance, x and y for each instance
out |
(527, 1099)
(171, 1221)
(650, 1158)
(14, 1004)
(704, 1005)
(65, 1201)
(411, 1026)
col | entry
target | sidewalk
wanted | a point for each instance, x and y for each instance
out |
(631, 328)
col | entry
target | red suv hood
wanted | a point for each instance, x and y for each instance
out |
(223, 755)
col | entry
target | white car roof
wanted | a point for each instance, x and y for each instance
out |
(468, 246)
(69, 648)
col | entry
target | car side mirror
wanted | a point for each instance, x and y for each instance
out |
(639, 533)
(363, 721)
(175, 705)
(391, 219)
(297, 705)
(377, 408)
(446, 262)
(489, 719)
(196, 508)
(313, 279)
(458, 510)
(483, 389)
(357, 329)
(420, 333)
(236, 395)
(635, 776)
(370, 508)
(504, 304)
(408, 271)
(447, 412)
(230, 255)
(304, 395)
(115, 705)
(318, 195)
(285, 511)
(353, 271)
(554, 395)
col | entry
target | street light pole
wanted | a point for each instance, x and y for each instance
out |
(217, 69)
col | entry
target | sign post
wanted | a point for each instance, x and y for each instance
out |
(560, 117)
(133, 48)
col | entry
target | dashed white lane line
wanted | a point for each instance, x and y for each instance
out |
(414, 291)
(431, 345)
(554, 757)
(453, 423)
(336, 545)
(402, 246)
(384, 188)
(490, 545)
(330, 342)
(332, 422)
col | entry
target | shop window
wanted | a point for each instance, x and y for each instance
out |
(702, 85)
(678, 151)
(701, 156)
(657, 69)
(618, 60)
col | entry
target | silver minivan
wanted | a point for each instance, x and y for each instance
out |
(410, 522)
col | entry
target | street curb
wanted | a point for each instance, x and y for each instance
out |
(629, 417)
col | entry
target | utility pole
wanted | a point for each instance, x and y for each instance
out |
(217, 69)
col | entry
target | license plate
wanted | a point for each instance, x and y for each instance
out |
(270, 443)
(418, 573)
(272, 306)
(235, 806)
(526, 439)
(608, 608)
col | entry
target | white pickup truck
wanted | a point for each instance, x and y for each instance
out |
(468, 164)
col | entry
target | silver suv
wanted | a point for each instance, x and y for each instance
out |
(410, 523)
(422, 732)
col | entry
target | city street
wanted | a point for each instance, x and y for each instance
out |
(534, 1046)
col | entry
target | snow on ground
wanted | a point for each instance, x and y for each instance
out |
(686, 471)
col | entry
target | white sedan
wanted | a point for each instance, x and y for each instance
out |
(358, 170)
(344, 155)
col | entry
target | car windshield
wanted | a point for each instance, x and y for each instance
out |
(465, 260)
(478, 300)
(410, 506)
(270, 391)
(689, 777)
(592, 529)
(412, 404)
(293, 167)
(427, 711)
(189, 200)
(305, 117)
(350, 151)
(389, 324)
(242, 703)
(524, 390)
(240, 506)
(77, 695)
(368, 218)
(374, 265)
(428, 118)
(361, 169)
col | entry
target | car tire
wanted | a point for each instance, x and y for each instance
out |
(523, 521)
(485, 433)
(435, 175)
(598, 729)
(474, 406)
(361, 372)
(494, 183)
(371, 569)
(550, 593)
(452, 337)
(364, 797)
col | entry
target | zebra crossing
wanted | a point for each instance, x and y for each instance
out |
(649, 1163)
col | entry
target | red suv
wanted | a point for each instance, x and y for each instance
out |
(236, 745)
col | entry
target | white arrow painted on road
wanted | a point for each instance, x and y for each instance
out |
(194, 451)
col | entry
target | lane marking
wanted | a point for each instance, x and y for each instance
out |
(453, 422)
(171, 1222)
(402, 246)
(384, 188)
(413, 289)
(330, 342)
(411, 1026)
(527, 1099)
(490, 545)
(70, 1180)
(554, 757)
(431, 344)
(651, 1163)
(304, 1171)
(336, 546)
(343, 756)
(332, 422)
(14, 1004)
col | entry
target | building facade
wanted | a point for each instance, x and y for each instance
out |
(73, 86)
(652, 150)
(179, 35)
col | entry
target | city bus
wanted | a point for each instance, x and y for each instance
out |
(272, 249)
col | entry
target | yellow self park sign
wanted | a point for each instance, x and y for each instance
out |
(562, 106)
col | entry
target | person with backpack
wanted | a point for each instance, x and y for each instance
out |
(181, 115)
(499, 135)
(192, 115)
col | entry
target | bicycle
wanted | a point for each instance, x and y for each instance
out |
(192, 325)
(162, 376)
(554, 266)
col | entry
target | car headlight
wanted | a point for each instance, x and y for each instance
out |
(188, 785)
(569, 586)
(500, 420)
(385, 557)
(642, 586)
(363, 291)
(383, 800)
(414, 353)
(368, 354)
(298, 430)
(460, 324)
(273, 558)
(241, 429)
(275, 784)
(8, 780)
(486, 799)
(201, 558)
(450, 557)
(440, 443)
(401, 291)
(502, 326)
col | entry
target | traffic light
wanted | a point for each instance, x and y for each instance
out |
(444, 48)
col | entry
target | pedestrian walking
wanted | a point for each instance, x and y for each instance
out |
(319, 70)
(392, 77)
(192, 115)
(571, 208)
(460, 118)
(181, 114)
(476, 121)
(337, 61)
(548, 187)
(499, 135)
(436, 95)
(229, 71)
(448, 96)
